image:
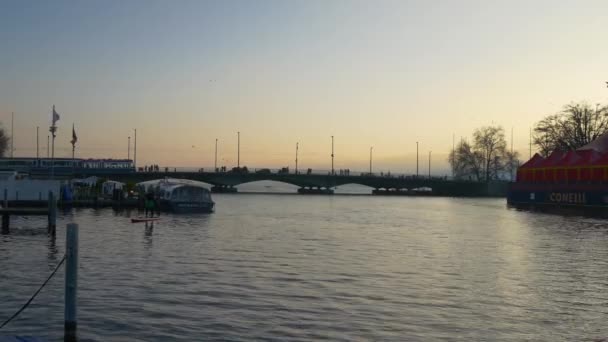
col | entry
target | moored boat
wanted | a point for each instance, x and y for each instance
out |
(574, 179)
(179, 195)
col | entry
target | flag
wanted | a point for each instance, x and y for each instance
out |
(74, 137)
(55, 116)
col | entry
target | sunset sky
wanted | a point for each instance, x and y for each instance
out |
(383, 74)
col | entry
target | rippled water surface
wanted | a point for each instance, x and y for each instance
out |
(288, 267)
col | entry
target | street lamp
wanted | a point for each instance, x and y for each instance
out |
(371, 148)
(332, 155)
(129, 148)
(238, 150)
(416, 159)
(37, 142)
(430, 164)
(215, 162)
(297, 146)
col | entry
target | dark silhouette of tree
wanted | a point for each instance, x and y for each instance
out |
(575, 126)
(486, 158)
(4, 139)
(466, 162)
(490, 142)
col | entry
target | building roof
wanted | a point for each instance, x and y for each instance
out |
(107, 160)
(600, 144)
(553, 159)
(172, 183)
(535, 161)
(587, 157)
(570, 158)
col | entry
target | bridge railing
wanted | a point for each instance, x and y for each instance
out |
(284, 171)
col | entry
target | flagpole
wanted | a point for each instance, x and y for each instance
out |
(74, 140)
(135, 151)
(12, 134)
(73, 150)
(53, 130)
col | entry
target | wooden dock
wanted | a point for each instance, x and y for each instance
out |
(50, 212)
(24, 211)
(7, 212)
(20, 339)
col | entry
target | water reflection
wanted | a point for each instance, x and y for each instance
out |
(52, 249)
(148, 230)
(304, 268)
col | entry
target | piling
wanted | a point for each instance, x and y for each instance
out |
(6, 198)
(5, 223)
(52, 228)
(71, 281)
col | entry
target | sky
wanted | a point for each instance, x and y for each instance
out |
(371, 73)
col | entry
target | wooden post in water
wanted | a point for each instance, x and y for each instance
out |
(6, 220)
(52, 214)
(6, 198)
(71, 281)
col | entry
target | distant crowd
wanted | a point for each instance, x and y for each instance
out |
(285, 170)
(151, 168)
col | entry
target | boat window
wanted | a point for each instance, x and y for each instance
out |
(187, 194)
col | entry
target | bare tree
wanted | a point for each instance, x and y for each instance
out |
(490, 141)
(575, 126)
(4, 139)
(486, 159)
(466, 162)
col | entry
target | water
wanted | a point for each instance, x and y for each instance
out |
(301, 268)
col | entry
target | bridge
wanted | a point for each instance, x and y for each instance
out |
(323, 184)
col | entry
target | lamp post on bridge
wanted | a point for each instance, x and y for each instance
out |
(215, 161)
(430, 164)
(129, 148)
(416, 159)
(238, 150)
(297, 147)
(37, 142)
(332, 155)
(371, 148)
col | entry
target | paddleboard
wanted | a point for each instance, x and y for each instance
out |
(144, 219)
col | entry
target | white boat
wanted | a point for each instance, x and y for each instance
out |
(179, 195)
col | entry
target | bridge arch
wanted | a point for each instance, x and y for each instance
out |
(353, 188)
(267, 186)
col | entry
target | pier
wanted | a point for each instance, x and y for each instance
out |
(50, 212)
(7, 212)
